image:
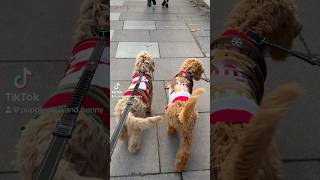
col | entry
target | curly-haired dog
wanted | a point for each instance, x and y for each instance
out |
(86, 153)
(137, 121)
(181, 111)
(242, 122)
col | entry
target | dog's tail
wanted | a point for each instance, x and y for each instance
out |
(245, 159)
(188, 109)
(143, 123)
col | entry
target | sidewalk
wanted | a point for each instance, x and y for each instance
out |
(171, 35)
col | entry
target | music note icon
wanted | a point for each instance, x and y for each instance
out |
(21, 80)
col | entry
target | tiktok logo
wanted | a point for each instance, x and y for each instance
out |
(21, 80)
(117, 86)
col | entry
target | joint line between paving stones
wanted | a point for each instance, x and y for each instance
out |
(9, 172)
(198, 43)
(300, 160)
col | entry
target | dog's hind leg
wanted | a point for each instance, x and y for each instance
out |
(184, 151)
(149, 3)
(171, 129)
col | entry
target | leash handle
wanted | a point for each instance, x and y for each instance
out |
(123, 118)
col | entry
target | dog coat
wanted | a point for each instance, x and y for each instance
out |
(96, 102)
(181, 95)
(144, 91)
(241, 87)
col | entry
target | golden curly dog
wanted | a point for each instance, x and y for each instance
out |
(86, 153)
(242, 122)
(137, 120)
(181, 112)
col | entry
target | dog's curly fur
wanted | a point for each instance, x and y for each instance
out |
(86, 154)
(182, 115)
(137, 121)
(247, 151)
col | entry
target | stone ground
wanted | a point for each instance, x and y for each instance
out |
(299, 130)
(171, 35)
(37, 36)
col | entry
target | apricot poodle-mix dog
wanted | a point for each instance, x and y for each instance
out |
(181, 111)
(137, 120)
(243, 121)
(86, 153)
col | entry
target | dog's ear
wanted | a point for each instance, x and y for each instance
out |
(152, 65)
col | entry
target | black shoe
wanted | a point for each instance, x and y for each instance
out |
(149, 3)
(164, 3)
(154, 2)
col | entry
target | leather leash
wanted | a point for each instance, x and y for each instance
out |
(261, 41)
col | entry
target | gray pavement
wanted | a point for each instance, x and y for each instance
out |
(36, 39)
(298, 133)
(171, 35)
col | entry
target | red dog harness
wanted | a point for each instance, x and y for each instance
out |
(145, 88)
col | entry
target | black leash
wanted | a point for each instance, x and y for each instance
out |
(260, 41)
(124, 115)
(63, 130)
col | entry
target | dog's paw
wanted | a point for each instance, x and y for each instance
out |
(171, 130)
(180, 165)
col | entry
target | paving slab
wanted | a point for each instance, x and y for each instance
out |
(139, 25)
(171, 35)
(170, 176)
(114, 16)
(179, 49)
(118, 9)
(116, 25)
(33, 33)
(116, 2)
(302, 170)
(131, 49)
(196, 175)
(159, 99)
(10, 176)
(135, 3)
(200, 153)
(131, 35)
(146, 160)
(111, 34)
(113, 49)
(162, 70)
(150, 17)
(16, 112)
(204, 43)
(171, 25)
